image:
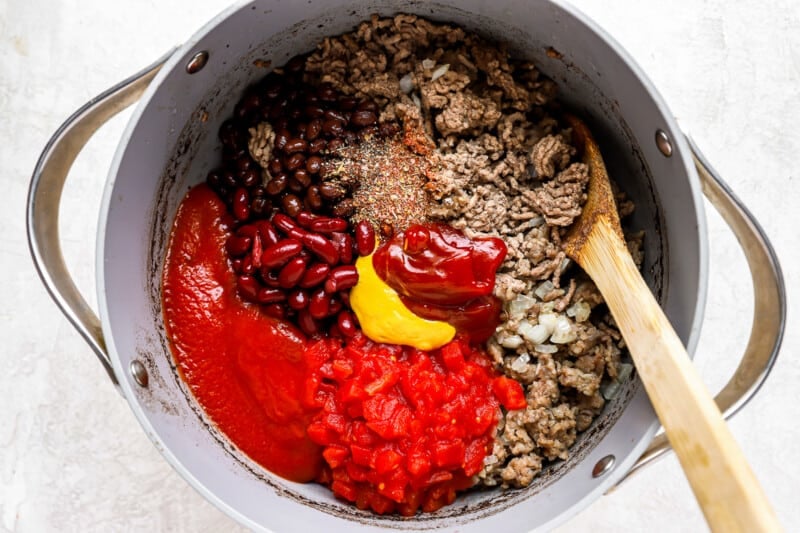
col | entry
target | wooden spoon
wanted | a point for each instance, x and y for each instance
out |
(723, 483)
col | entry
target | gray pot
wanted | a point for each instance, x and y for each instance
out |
(170, 144)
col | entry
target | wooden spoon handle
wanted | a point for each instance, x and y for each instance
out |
(729, 494)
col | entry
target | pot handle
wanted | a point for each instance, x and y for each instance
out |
(769, 309)
(44, 198)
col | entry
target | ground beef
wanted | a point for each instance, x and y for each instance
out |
(500, 165)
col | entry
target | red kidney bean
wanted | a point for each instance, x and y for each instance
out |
(313, 199)
(277, 184)
(307, 322)
(297, 299)
(237, 246)
(363, 118)
(313, 129)
(291, 204)
(294, 161)
(314, 275)
(295, 145)
(317, 145)
(345, 297)
(305, 218)
(241, 204)
(328, 225)
(275, 311)
(270, 277)
(279, 254)
(248, 287)
(270, 296)
(292, 272)
(288, 226)
(321, 247)
(247, 265)
(247, 230)
(319, 304)
(258, 249)
(347, 325)
(237, 265)
(269, 234)
(365, 238)
(334, 305)
(341, 278)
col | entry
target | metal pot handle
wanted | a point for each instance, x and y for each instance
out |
(44, 198)
(769, 309)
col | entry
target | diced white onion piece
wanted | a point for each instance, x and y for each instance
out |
(407, 83)
(580, 311)
(512, 342)
(624, 371)
(547, 307)
(428, 63)
(520, 363)
(519, 305)
(536, 222)
(535, 334)
(544, 289)
(563, 332)
(545, 348)
(548, 320)
(610, 390)
(489, 460)
(416, 100)
(440, 71)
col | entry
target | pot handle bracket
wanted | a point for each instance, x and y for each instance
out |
(769, 309)
(44, 198)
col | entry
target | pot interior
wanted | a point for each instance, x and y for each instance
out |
(171, 144)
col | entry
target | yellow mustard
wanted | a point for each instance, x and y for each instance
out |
(384, 317)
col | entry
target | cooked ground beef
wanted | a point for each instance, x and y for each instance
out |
(502, 166)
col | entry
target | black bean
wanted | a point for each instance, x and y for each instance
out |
(303, 177)
(295, 64)
(291, 205)
(294, 161)
(277, 184)
(295, 145)
(275, 167)
(313, 129)
(250, 177)
(333, 127)
(313, 198)
(329, 191)
(317, 145)
(368, 105)
(295, 186)
(327, 93)
(335, 114)
(282, 138)
(363, 118)
(348, 103)
(313, 164)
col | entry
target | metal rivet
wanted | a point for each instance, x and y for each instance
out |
(603, 465)
(197, 62)
(139, 373)
(663, 143)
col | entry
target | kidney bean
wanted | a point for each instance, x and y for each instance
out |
(270, 296)
(275, 310)
(307, 322)
(363, 118)
(291, 204)
(248, 287)
(347, 325)
(279, 254)
(241, 204)
(313, 199)
(334, 305)
(294, 161)
(341, 278)
(346, 249)
(247, 265)
(314, 275)
(365, 238)
(328, 225)
(321, 247)
(297, 299)
(305, 218)
(214, 178)
(277, 184)
(258, 249)
(329, 191)
(269, 277)
(282, 137)
(317, 145)
(295, 145)
(291, 273)
(269, 235)
(318, 304)
(303, 177)
(228, 179)
(288, 226)
(237, 246)
(237, 266)
(345, 297)
(333, 127)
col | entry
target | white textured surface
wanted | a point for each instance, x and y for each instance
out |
(72, 457)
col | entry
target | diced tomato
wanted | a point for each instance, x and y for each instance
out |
(335, 455)
(509, 392)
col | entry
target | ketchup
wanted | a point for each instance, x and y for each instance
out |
(245, 368)
(441, 274)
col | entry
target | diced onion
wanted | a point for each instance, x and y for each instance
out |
(544, 289)
(536, 334)
(512, 342)
(490, 460)
(545, 348)
(520, 363)
(563, 332)
(406, 83)
(440, 71)
(519, 305)
(428, 63)
(548, 320)
(416, 100)
(580, 311)
(624, 371)
(611, 389)
(547, 307)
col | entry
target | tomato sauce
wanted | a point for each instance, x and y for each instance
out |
(245, 368)
(441, 274)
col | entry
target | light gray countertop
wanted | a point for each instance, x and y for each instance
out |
(72, 456)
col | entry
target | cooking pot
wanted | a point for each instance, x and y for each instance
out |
(170, 144)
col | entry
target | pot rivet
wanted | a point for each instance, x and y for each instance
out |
(197, 62)
(663, 143)
(603, 466)
(139, 373)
